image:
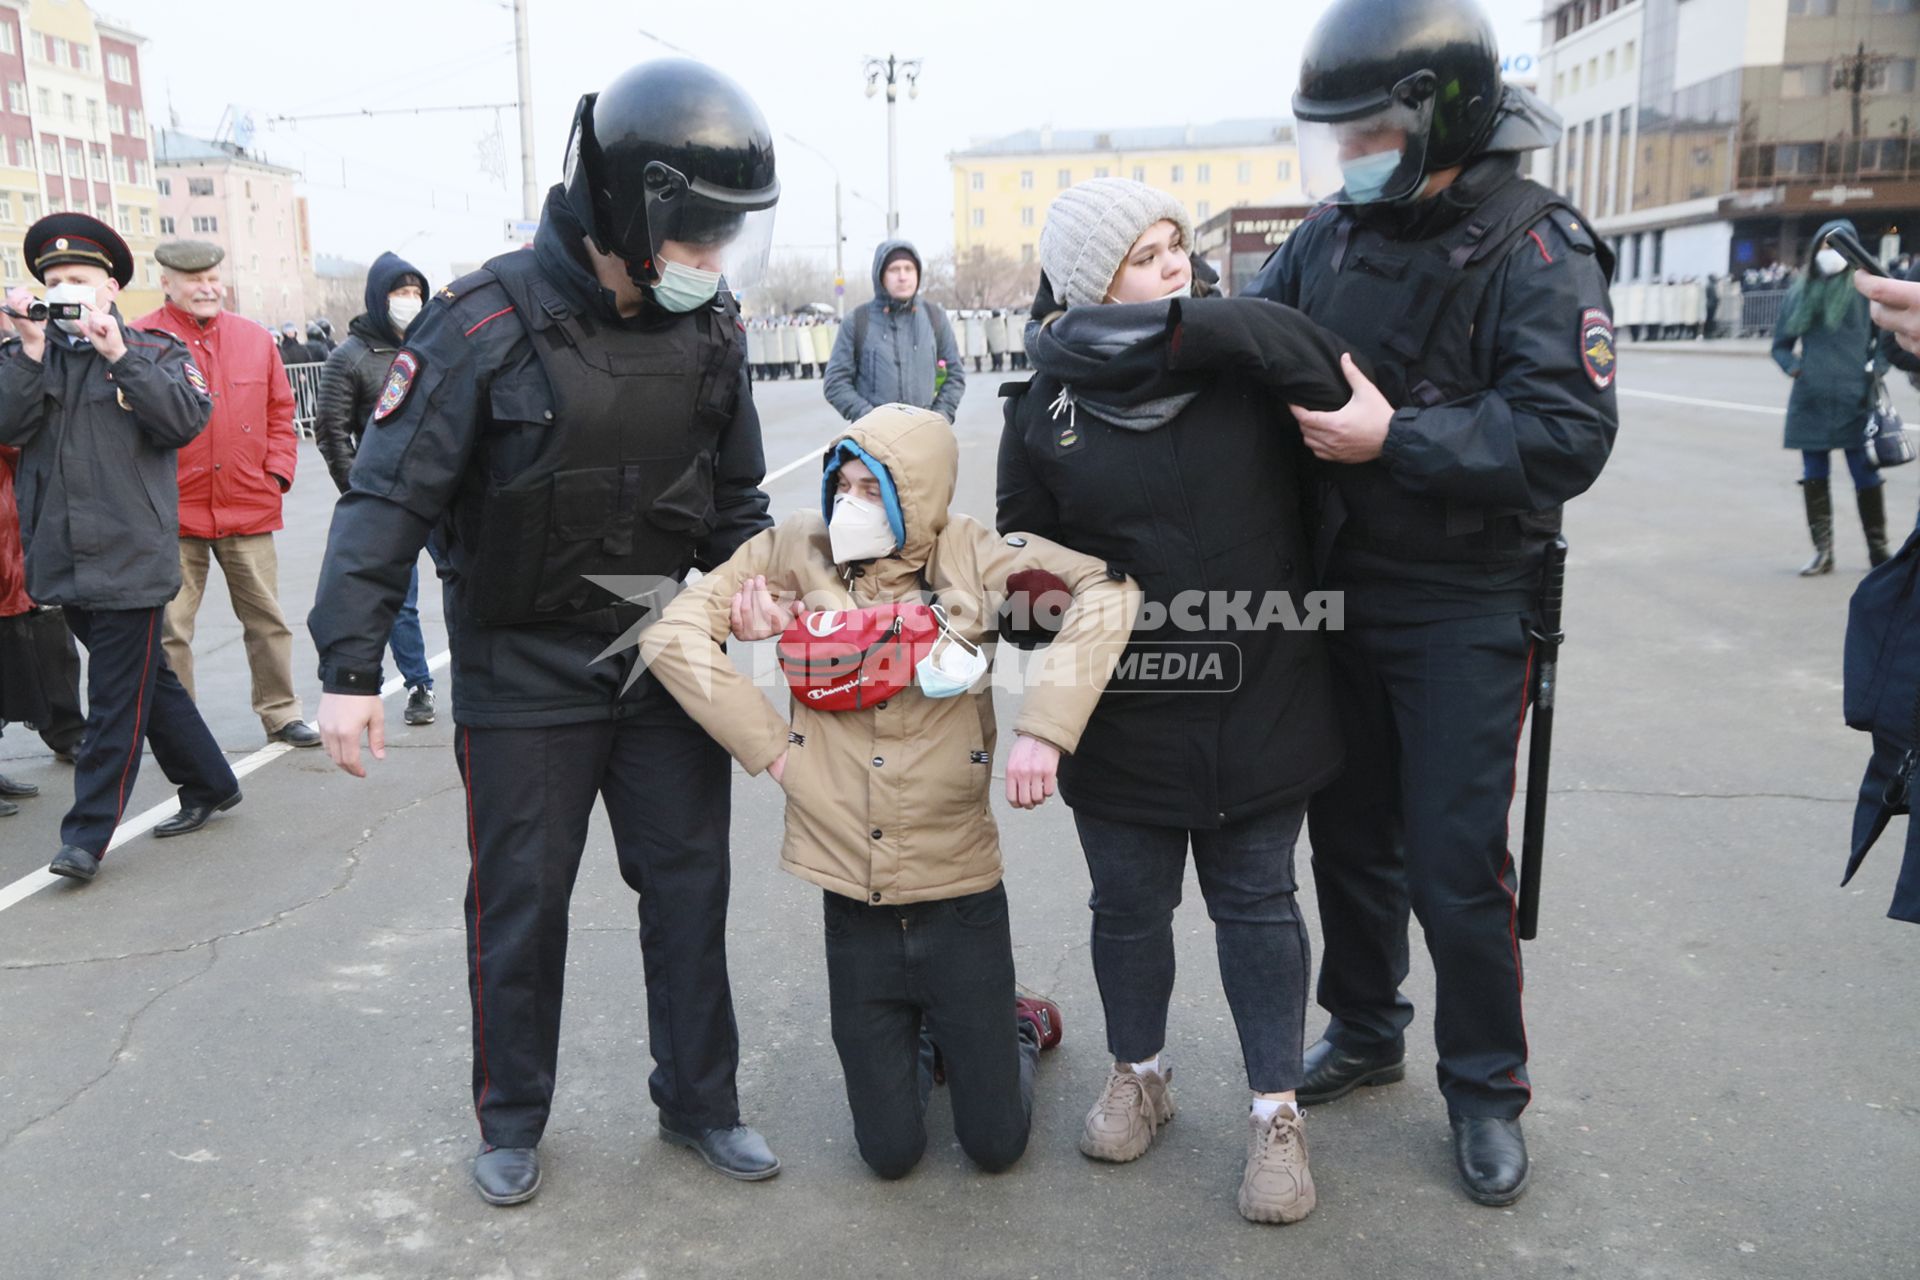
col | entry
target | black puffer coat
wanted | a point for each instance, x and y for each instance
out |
(357, 370)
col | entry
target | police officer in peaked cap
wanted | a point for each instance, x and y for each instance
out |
(1442, 488)
(573, 424)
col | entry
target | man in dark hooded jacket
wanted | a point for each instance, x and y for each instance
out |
(349, 388)
(890, 351)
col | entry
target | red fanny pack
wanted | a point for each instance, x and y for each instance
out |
(852, 659)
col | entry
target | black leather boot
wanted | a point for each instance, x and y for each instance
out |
(1820, 524)
(1873, 520)
(1332, 1072)
(1491, 1155)
(507, 1175)
(738, 1152)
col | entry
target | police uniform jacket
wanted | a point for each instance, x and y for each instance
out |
(467, 410)
(98, 484)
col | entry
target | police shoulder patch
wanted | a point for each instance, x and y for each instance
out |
(1597, 355)
(195, 379)
(399, 385)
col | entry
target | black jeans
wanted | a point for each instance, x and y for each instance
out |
(1419, 821)
(530, 793)
(1246, 876)
(946, 969)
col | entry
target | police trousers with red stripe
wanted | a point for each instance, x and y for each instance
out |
(133, 696)
(1419, 820)
(667, 788)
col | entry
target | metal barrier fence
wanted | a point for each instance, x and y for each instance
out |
(306, 395)
(1760, 312)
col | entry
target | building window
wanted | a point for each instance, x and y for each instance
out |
(10, 260)
(136, 122)
(76, 167)
(6, 207)
(1026, 253)
(166, 225)
(977, 181)
(1203, 211)
(1897, 76)
(1139, 173)
(93, 112)
(1203, 173)
(29, 208)
(1626, 53)
(99, 165)
(46, 102)
(1066, 178)
(140, 173)
(1026, 179)
(16, 95)
(66, 101)
(50, 156)
(1893, 6)
(6, 38)
(1805, 80)
(199, 186)
(246, 188)
(123, 219)
(165, 186)
(1245, 173)
(1026, 216)
(146, 222)
(1100, 171)
(23, 153)
(1286, 171)
(1177, 175)
(1809, 8)
(979, 217)
(122, 171)
(1573, 80)
(206, 223)
(119, 68)
(56, 50)
(1611, 65)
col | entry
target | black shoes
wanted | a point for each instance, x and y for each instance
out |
(420, 705)
(1873, 522)
(74, 864)
(507, 1175)
(11, 790)
(1332, 1072)
(296, 733)
(192, 818)
(8, 808)
(1491, 1156)
(738, 1152)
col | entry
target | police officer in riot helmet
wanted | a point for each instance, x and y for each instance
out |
(1442, 486)
(573, 425)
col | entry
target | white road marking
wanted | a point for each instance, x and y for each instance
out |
(1771, 410)
(33, 882)
(814, 456)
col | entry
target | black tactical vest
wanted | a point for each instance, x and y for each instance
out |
(623, 483)
(1410, 306)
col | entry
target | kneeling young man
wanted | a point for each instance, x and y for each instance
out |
(887, 804)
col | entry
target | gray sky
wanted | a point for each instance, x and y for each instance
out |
(418, 184)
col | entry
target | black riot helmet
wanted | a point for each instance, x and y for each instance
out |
(673, 150)
(1393, 90)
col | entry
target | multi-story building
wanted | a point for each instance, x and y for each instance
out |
(220, 192)
(1001, 188)
(73, 133)
(1708, 136)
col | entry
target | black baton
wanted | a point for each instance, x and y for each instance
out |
(1547, 635)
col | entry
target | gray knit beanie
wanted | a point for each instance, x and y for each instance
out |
(1091, 226)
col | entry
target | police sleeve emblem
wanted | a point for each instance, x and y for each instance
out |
(196, 379)
(1596, 347)
(406, 366)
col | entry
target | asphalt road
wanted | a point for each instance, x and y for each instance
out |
(245, 1053)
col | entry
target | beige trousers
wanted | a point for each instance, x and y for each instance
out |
(252, 570)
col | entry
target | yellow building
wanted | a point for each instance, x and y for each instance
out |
(1001, 188)
(73, 134)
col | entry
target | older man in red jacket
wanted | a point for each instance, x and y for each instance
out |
(231, 479)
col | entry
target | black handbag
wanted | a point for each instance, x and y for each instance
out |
(1888, 441)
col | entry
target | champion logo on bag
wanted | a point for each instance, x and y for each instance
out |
(825, 623)
(853, 659)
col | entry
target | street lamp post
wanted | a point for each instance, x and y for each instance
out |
(892, 70)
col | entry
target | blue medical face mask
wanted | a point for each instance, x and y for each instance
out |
(1367, 177)
(683, 288)
(951, 669)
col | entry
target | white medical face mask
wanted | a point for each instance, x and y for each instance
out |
(951, 668)
(859, 530)
(1830, 262)
(402, 310)
(71, 293)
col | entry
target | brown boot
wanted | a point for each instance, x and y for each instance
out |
(1820, 525)
(1129, 1112)
(1278, 1185)
(1873, 520)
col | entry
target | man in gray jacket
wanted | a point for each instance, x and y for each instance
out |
(888, 351)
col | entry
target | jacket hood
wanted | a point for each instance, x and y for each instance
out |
(383, 277)
(880, 261)
(922, 462)
(1826, 228)
(377, 334)
(1524, 122)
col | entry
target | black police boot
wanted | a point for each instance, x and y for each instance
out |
(8, 808)
(1491, 1155)
(74, 864)
(507, 1175)
(420, 705)
(193, 817)
(1873, 520)
(17, 790)
(1332, 1072)
(1820, 524)
(738, 1152)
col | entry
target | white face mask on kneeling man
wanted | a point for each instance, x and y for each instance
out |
(859, 530)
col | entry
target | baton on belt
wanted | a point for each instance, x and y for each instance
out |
(1540, 745)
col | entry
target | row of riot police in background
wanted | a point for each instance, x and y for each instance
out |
(799, 346)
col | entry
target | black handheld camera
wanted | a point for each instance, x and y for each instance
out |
(40, 312)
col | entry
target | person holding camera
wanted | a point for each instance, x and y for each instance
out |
(98, 412)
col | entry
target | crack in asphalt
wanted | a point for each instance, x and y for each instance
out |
(119, 1050)
(346, 878)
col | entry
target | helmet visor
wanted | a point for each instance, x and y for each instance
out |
(1380, 156)
(711, 228)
